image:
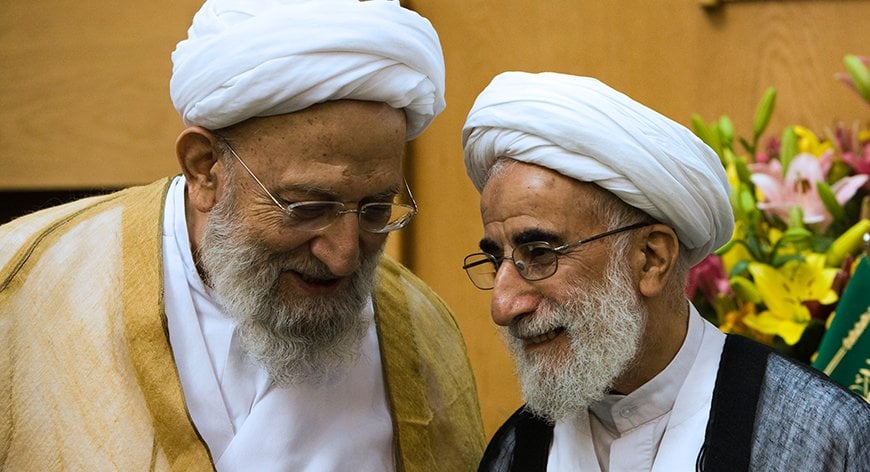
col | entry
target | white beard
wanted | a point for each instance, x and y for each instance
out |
(296, 338)
(604, 323)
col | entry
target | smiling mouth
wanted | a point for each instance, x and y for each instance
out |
(542, 338)
(317, 284)
(317, 280)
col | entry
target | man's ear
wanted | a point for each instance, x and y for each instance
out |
(200, 164)
(660, 248)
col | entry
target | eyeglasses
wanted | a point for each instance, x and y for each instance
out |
(375, 217)
(534, 261)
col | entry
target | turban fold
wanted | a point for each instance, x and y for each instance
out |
(585, 130)
(270, 57)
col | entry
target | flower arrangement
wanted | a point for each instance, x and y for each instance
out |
(801, 207)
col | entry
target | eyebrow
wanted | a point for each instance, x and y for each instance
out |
(526, 236)
(489, 246)
(536, 234)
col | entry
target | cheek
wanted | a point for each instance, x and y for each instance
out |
(273, 235)
(266, 227)
(371, 242)
(285, 242)
(559, 287)
(280, 240)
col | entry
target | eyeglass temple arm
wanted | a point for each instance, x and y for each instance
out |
(489, 258)
(602, 235)
(233, 152)
(411, 195)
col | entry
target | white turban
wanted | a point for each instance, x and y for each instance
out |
(268, 57)
(585, 130)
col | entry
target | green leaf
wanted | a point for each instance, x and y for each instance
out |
(795, 217)
(702, 130)
(796, 235)
(715, 139)
(734, 200)
(755, 249)
(747, 201)
(847, 243)
(788, 148)
(779, 261)
(763, 113)
(725, 247)
(744, 289)
(741, 267)
(821, 243)
(830, 201)
(838, 170)
(726, 131)
(860, 75)
(743, 172)
(747, 146)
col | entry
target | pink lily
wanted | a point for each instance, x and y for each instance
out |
(859, 161)
(708, 277)
(855, 152)
(798, 188)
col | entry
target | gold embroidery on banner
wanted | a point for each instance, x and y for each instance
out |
(862, 382)
(849, 341)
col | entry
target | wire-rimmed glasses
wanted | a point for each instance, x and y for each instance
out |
(534, 260)
(374, 217)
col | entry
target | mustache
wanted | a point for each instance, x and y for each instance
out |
(543, 320)
(309, 268)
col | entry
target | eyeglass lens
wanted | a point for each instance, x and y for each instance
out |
(536, 260)
(378, 217)
(375, 217)
(533, 261)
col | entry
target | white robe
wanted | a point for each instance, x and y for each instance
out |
(653, 427)
(768, 413)
(247, 422)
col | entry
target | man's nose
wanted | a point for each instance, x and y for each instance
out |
(512, 295)
(338, 246)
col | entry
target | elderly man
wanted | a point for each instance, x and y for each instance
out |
(241, 316)
(594, 208)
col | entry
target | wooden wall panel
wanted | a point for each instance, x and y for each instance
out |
(84, 88)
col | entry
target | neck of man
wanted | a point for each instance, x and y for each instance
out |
(663, 336)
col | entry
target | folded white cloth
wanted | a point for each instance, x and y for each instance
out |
(267, 57)
(584, 129)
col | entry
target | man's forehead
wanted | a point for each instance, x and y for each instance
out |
(524, 203)
(523, 195)
(331, 117)
(345, 151)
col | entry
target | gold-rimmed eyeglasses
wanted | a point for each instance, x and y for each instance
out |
(534, 260)
(374, 217)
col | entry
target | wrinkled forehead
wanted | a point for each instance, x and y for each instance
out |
(333, 119)
(332, 145)
(523, 198)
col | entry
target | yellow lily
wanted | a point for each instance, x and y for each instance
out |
(808, 142)
(784, 290)
(732, 321)
(731, 172)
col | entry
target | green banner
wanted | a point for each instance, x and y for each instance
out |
(844, 353)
